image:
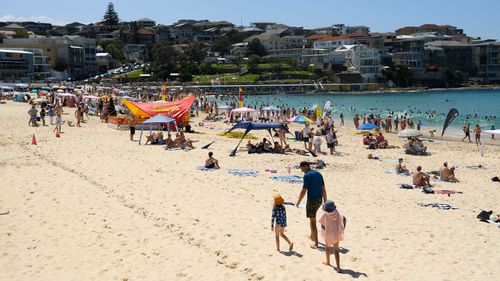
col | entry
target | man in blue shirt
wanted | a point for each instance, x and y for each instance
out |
(314, 186)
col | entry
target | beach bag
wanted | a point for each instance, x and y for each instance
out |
(484, 216)
(495, 179)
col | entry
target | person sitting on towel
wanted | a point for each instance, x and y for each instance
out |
(169, 142)
(448, 174)
(420, 178)
(211, 162)
(400, 168)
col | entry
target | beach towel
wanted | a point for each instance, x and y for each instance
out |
(438, 205)
(243, 172)
(289, 179)
(446, 191)
(397, 174)
(479, 167)
(391, 160)
(203, 168)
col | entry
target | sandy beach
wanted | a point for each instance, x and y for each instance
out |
(92, 205)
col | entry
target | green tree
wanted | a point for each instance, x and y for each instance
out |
(253, 63)
(194, 53)
(400, 74)
(164, 55)
(222, 45)
(234, 36)
(111, 16)
(21, 33)
(256, 48)
(114, 48)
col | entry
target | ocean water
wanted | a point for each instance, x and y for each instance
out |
(474, 106)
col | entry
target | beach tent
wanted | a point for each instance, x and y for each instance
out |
(158, 120)
(368, 127)
(90, 97)
(248, 126)
(178, 110)
(19, 97)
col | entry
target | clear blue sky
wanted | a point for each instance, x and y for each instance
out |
(477, 18)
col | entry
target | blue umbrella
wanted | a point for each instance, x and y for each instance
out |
(368, 127)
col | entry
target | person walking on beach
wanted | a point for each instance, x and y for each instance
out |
(477, 132)
(51, 114)
(131, 127)
(306, 131)
(341, 119)
(396, 123)
(492, 135)
(356, 121)
(78, 116)
(314, 186)
(58, 111)
(32, 113)
(332, 229)
(388, 123)
(466, 130)
(331, 138)
(279, 216)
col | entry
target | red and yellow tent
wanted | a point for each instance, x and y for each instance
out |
(178, 110)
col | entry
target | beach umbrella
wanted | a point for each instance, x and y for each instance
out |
(300, 119)
(493, 132)
(368, 127)
(243, 110)
(227, 107)
(60, 91)
(271, 108)
(40, 100)
(410, 133)
(34, 91)
(90, 97)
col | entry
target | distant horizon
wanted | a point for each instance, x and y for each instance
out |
(380, 16)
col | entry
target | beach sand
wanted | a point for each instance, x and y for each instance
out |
(92, 205)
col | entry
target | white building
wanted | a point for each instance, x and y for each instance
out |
(333, 42)
(364, 60)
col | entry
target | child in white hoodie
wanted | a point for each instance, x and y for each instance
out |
(332, 229)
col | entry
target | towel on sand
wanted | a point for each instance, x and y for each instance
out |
(203, 168)
(439, 206)
(290, 179)
(398, 174)
(243, 172)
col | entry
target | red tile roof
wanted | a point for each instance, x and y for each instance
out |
(336, 38)
(316, 37)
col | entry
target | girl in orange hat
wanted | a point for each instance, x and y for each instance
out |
(279, 215)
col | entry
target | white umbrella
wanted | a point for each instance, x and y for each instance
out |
(271, 108)
(493, 132)
(410, 133)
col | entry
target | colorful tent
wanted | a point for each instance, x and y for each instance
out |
(178, 110)
(248, 126)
